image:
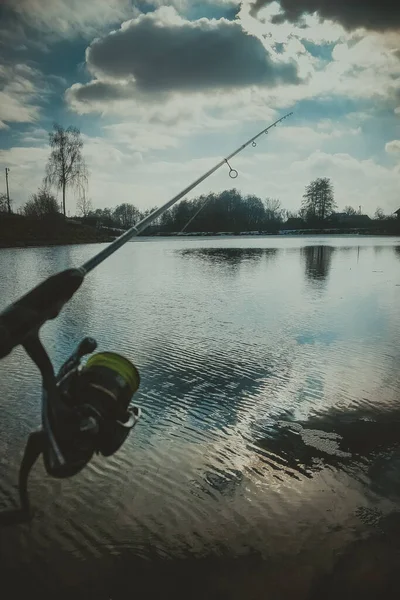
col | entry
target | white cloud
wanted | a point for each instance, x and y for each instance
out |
(312, 29)
(393, 146)
(364, 64)
(24, 157)
(26, 170)
(19, 94)
(141, 137)
(104, 156)
(36, 135)
(315, 135)
(356, 182)
(67, 18)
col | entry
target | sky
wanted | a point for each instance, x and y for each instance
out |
(161, 92)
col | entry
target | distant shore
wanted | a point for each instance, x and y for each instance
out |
(23, 232)
(288, 232)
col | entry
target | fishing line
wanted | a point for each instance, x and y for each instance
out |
(203, 205)
(139, 227)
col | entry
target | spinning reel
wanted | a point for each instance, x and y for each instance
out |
(85, 409)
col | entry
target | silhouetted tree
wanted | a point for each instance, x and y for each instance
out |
(273, 209)
(3, 203)
(40, 205)
(147, 212)
(379, 214)
(66, 166)
(102, 217)
(350, 211)
(226, 211)
(318, 199)
(126, 215)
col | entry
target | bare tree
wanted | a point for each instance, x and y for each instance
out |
(350, 211)
(273, 209)
(66, 166)
(379, 214)
(84, 205)
(40, 205)
(3, 203)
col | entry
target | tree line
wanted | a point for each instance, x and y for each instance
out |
(228, 211)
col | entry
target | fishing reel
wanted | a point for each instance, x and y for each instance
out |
(86, 410)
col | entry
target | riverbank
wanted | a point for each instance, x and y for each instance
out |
(18, 232)
(287, 232)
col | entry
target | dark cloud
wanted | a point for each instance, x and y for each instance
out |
(378, 15)
(163, 52)
(101, 91)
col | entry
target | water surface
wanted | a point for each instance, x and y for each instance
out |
(268, 451)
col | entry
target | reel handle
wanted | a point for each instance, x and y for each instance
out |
(86, 346)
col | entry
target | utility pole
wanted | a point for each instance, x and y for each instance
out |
(8, 191)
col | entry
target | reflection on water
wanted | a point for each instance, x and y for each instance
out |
(355, 440)
(232, 257)
(318, 261)
(268, 448)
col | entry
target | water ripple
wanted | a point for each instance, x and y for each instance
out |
(269, 392)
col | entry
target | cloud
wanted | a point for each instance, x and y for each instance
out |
(19, 94)
(27, 170)
(333, 62)
(356, 182)
(161, 52)
(376, 15)
(393, 146)
(65, 18)
(314, 136)
(157, 59)
(35, 135)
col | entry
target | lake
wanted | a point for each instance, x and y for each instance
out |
(266, 463)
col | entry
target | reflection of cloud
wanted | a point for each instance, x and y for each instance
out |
(343, 439)
(207, 389)
(318, 261)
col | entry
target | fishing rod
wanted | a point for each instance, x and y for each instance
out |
(136, 229)
(87, 409)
